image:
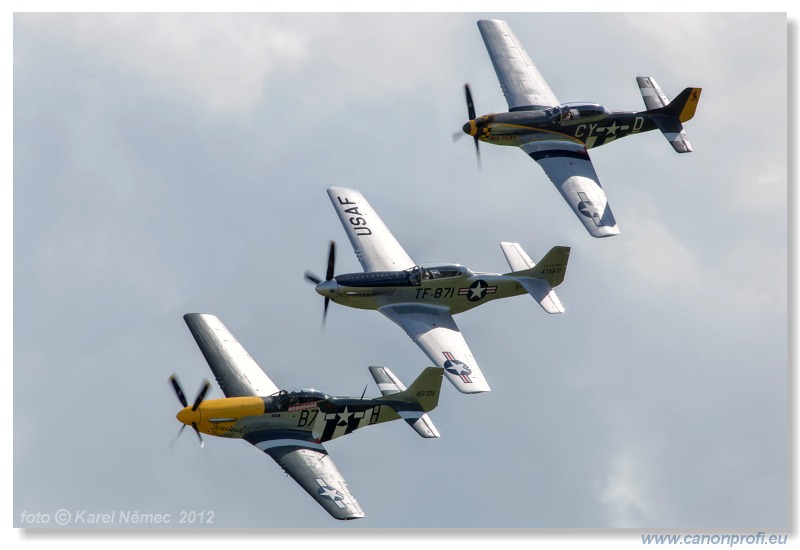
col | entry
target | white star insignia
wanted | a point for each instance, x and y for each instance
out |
(328, 492)
(344, 416)
(478, 291)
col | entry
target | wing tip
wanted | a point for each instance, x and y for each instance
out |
(606, 232)
(479, 387)
(193, 315)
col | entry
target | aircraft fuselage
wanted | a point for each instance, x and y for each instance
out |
(458, 293)
(319, 415)
(589, 125)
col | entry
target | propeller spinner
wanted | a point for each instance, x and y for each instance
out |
(185, 416)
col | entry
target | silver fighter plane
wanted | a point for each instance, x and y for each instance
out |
(557, 136)
(291, 426)
(423, 299)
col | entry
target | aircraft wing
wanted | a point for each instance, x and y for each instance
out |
(434, 330)
(570, 169)
(308, 463)
(374, 245)
(236, 372)
(522, 83)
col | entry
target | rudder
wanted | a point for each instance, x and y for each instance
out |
(552, 267)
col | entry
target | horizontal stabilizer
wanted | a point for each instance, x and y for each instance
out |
(673, 131)
(389, 384)
(668, 115)
(543, 293)
(517, 258)
(540, 288)
(653, 97)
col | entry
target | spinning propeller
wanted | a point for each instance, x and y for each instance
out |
(466, 129)
(328, 277)
(182, 398)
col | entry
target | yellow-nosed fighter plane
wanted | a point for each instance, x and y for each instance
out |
(557, 136)
(423, 299)
(291, 426)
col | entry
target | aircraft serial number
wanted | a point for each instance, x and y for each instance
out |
(552, 270)
(441, 292)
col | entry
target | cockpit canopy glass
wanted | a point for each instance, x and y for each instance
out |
(412, 276)
(582, 112)
(284, 399)
(417, 274)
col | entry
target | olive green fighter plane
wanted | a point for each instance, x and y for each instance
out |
(422, 299)
(557, 136)
(291, 426)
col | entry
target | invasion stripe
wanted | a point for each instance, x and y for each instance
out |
(559, 153)
(272, 443)
(389, 386)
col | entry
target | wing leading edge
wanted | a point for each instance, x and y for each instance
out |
(523, 85)
(237, 373)
(374, 245)
(434, 330)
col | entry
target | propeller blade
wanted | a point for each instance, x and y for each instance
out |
(178, 391)
(199, 437)
(200, 397)
(312, 278)
(177, 436)
(471, 114)
(329, 272)
(331, 261)
(470, 104)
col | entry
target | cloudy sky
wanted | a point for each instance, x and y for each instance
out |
(168, 163)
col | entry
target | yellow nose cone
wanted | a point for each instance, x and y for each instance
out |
(470, 128)
(187, 416)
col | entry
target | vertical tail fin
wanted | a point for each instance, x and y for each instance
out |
(423, 394)
(552, 267)
(539, 279)
(668, 115)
